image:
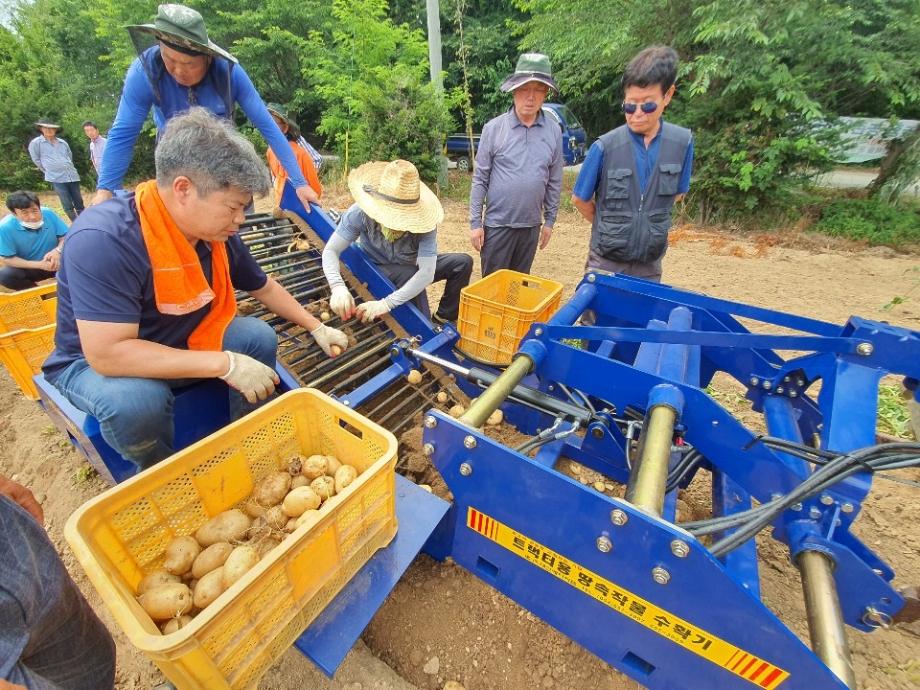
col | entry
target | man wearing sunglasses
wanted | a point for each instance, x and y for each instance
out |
(632, 175)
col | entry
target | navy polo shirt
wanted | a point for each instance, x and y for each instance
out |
(105, 275)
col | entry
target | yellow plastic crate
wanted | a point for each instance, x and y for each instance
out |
(121, 535)
(28, 308)
(497, 311)
(22, 352)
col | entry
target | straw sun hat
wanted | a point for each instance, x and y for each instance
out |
(393, 195)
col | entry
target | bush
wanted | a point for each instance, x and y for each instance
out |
(870, 220)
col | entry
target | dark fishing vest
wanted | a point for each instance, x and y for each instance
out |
(630, 226)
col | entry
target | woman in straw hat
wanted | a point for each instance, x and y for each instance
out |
(182, 69)
(394, 220)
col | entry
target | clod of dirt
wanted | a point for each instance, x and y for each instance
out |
(432, 666)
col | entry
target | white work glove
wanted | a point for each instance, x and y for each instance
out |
(342, 303)
(327, 338)
(250, 377)
(368, 311)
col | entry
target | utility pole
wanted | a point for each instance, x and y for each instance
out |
(434, 61)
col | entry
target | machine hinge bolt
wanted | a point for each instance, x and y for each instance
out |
(864, 349)
(597, 432)
(604, 545)
(469, 442)
(814, 513)
(847, 507)
(787, 379)
(793, 394)
(428, 449)
(346, 403)
(755, 381)
(660, 575)
(550, 387)
(780, 390)
(538, 332)
(679, 548)
(827, 500)
(591, 277)
(797, 507)
(430, 422)
(466, 469)
(767, 385)
(618, 517)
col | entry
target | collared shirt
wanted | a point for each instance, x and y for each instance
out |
(105, 275)
(168, 98)
(356, 225)
(96, 149)
(55, 160)
(646, 158)
(31, 245)
(518, 173)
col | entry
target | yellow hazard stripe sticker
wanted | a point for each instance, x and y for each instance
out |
(691, 637)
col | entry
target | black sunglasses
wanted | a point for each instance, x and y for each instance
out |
(647, 108)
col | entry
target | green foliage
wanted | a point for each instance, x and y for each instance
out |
(893, 416)
(870, 220)
(754, 76)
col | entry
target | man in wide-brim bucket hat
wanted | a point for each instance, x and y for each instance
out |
(185, 68)
(394, 220)
(530, 67)
(517, 179)
(53, 157)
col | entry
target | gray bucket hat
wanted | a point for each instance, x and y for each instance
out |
(181, 27)
(46, 123)
(530, 67)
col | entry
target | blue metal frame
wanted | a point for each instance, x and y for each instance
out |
(652, 345)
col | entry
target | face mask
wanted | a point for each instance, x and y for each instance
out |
(32, 225)
(390, 235)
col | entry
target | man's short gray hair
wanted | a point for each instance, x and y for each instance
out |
(211, 153)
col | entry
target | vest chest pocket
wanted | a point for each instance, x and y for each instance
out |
(618, 183)
(669, 178)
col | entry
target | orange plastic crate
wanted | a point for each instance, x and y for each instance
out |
(23, 352)
(497, 311)
(121, 535)
(28, 308)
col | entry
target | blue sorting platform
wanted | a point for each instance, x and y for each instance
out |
(332, 635)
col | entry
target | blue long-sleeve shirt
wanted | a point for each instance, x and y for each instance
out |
(168, 98)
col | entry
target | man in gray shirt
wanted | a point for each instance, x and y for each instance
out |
(96, 144)
(53, 157)
(518, 173)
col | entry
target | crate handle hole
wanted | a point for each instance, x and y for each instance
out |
(353, 430)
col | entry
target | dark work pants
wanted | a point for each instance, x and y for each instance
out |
(511, 248)
(455, 269)
(50, 639)
(649, 271)
(15, 278)
(70, 196)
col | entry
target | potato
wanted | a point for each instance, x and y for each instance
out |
(212, 557)
(180, 554)
(294, 465)
(174, 624)
(290, 525)
(335, 350)
(275, 517)
(324, 487)
(230, 526)
(442, 397)
(414, 377)
(314, 466)
(272, 489)
(209, 588)
(310, 517)
(495, 418)
(332, 464)
(166, 601)
(299, 480)
(300, 499)
(325, 316)
(457, 411)
(266, 545)
(253, 509)
(239, 562)
(344, 476)
(156, 578)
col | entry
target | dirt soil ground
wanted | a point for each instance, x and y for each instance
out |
(442, 624)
